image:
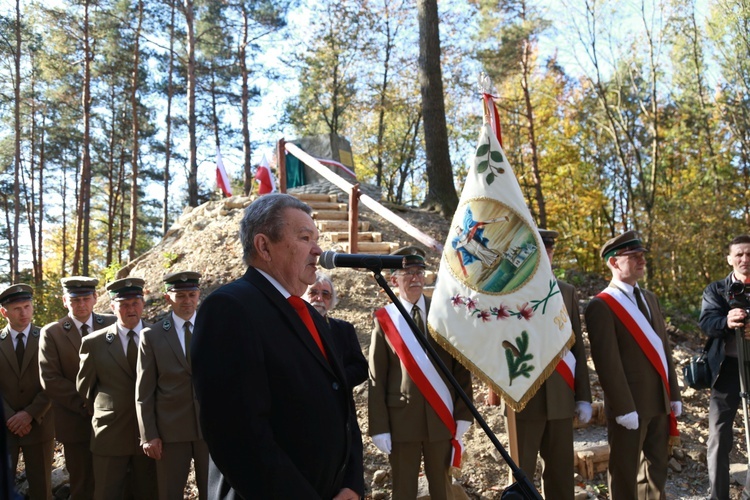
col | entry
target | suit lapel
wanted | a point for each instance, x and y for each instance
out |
(298, 327)
(173, 340)
(116, 351)
(72, 334)
(32, 347)
(6, 347)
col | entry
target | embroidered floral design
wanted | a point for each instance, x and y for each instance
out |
(502, 311)
(489, 159)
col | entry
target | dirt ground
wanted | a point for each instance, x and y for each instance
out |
(205, 239)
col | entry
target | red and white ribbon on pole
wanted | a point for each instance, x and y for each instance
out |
(222, 179)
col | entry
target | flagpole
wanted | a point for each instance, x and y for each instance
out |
(523, 488)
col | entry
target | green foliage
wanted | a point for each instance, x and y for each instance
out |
(170, 258)
(110, 272)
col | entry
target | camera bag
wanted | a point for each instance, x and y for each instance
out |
(697, 373)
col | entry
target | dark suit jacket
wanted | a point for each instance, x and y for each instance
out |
(713, 322)
(59, 363)
(345, 338)
(396, 405)
(165, 400)
(22, 390)
(278, 418)
(554, 400)
(629, 380)
(107, 383)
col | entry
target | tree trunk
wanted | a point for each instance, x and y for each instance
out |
(168, 138)
(441, 192)
(14, 264)
(245, 98)
(136, 133)
(191, 82)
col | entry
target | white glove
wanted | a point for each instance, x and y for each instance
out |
(676, 407)
(583, 411)
(629, 420)
(383, 442)
(461, 427)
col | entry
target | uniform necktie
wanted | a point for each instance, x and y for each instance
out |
(416, 315)
(20, 349)
(84, 330)
(132, 350)
(299, 305)
(641, 304)
(188, 339)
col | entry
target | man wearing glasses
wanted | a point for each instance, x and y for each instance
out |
(322, 296)
(403, 424)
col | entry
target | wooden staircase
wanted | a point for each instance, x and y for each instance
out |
(332, 220)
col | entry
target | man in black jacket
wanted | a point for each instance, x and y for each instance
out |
(719, 321)
(322, 296)
(276, 410)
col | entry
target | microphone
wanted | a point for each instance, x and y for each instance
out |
(330, 259)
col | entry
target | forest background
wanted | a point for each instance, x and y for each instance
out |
(624, 114)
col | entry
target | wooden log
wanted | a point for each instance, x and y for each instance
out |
(327, 205)
(330, 215)
(306, 197)
(377, 248)
(591, 460)
(339, 225)
(361, 236)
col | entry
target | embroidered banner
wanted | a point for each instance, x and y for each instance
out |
(496, 305)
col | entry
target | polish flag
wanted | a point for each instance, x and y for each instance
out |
(222, 179)
(264, 177)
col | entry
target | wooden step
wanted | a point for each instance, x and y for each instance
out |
(327, 205)
(316, 197)
(377, 248)
(361, 236)
(339, 225)
(330, 215)
(591, 460)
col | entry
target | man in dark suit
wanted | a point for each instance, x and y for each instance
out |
(166, 406)
(402, 423)
(545, 426)
(322, 296)
(30, 426)
(59, 362)
(276, 410)
(106, 380)
(631, 351)
(719, 321)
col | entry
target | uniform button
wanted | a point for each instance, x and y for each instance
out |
(335, 386)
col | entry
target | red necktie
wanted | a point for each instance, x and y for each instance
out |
(299, 305)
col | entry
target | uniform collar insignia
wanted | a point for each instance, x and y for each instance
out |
(98, 319)
(167, 324)
(3, 334)
(67, 325)
(110, 337)
(35, 332)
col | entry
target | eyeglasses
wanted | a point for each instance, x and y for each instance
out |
(414, 273)
(323, 293)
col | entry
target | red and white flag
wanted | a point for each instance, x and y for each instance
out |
(264, 176)
(496, 305)
(222, 179)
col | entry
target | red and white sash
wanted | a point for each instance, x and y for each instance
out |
(421, 370)
(643, 333)
(566, 367)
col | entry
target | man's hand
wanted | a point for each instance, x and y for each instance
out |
(676, 407)
(383, 442)
(346, 494)
(736, 318)
(152, 449)
(583, 411)
(20, 423)
(629, 420)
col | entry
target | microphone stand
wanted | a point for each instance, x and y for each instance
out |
(522, 488)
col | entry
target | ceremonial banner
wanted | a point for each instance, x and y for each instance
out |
(222, 179)
(496, 305)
